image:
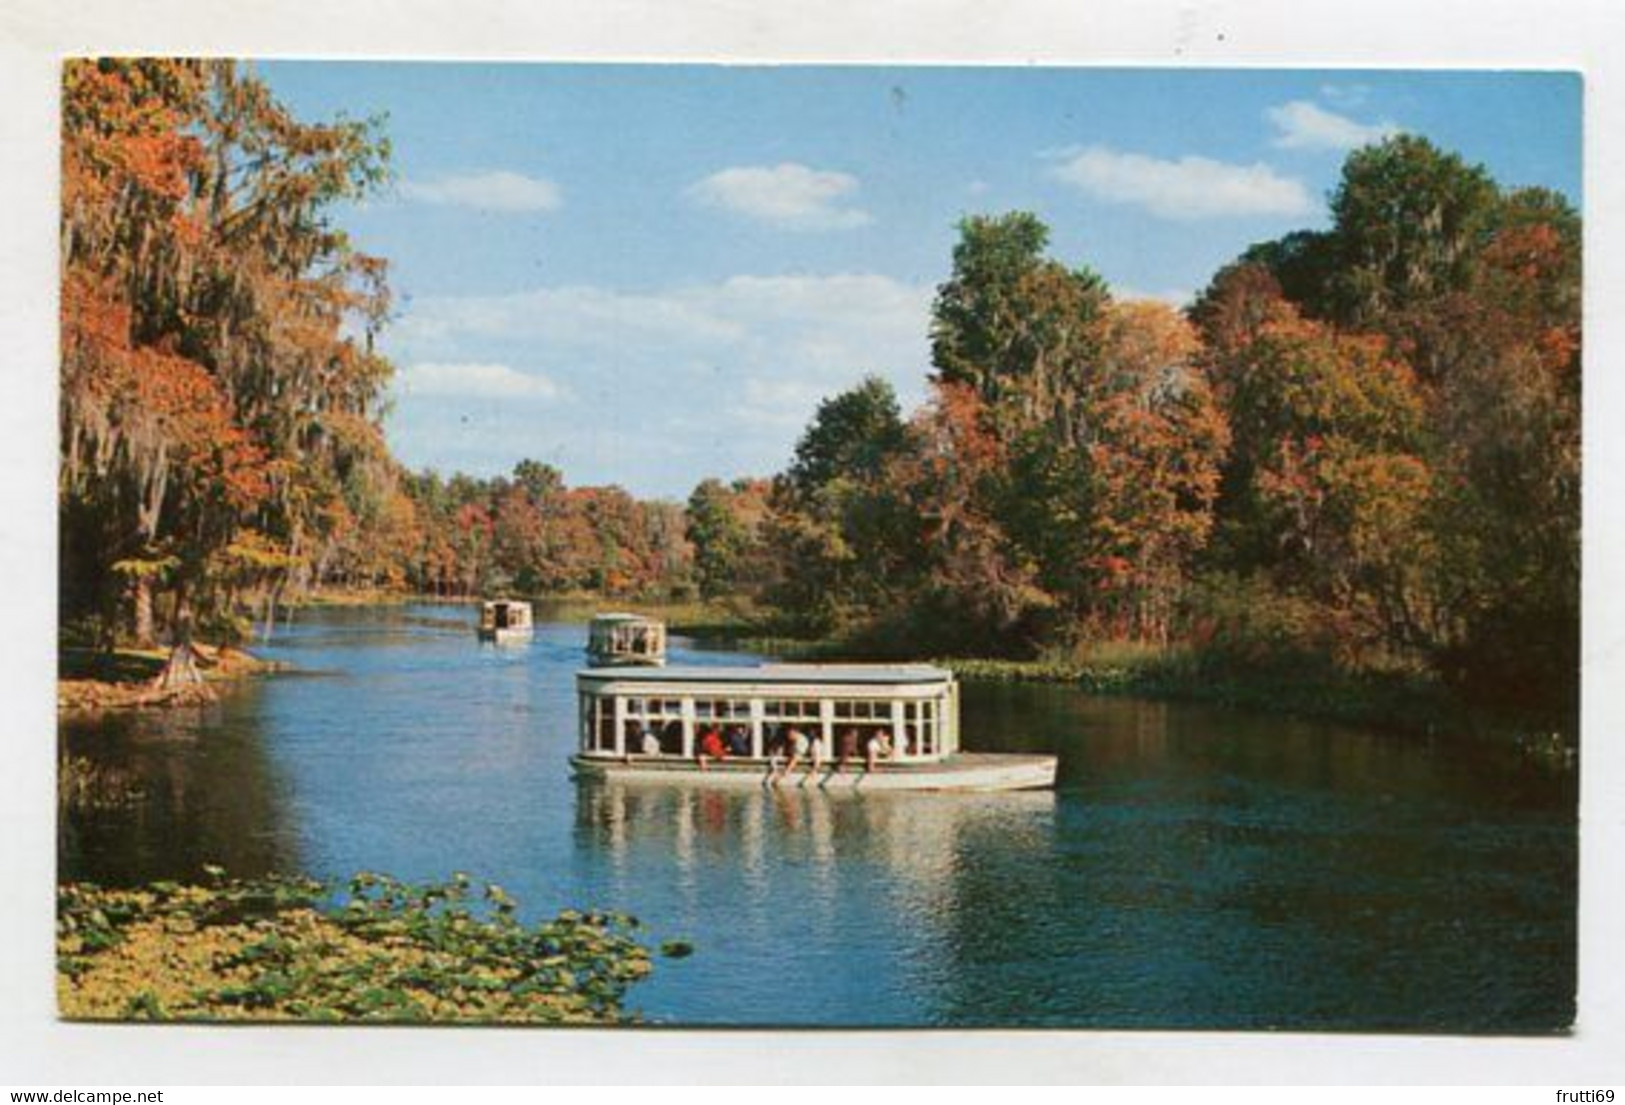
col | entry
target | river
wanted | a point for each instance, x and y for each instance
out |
(1195, 868)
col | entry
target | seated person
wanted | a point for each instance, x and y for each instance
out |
(877, 746)
(847, 744)
(671, 738)
(796, 745)
(711, 746)
(738, 740)
(651, 743)
(818, 748)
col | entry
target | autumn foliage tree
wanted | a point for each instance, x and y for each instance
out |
(1104, 426)
(1456, 306)
(1326, 490)
(533, 534)
(218, 389)
(1375, 426)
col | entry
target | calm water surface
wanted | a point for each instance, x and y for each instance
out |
(1195, 868)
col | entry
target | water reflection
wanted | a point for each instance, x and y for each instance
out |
(209, 795)
(811, 894)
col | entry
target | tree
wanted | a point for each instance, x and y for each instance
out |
(1327, 487)
(720, 538)
(837, 527)
(217, 373)
(1012, 325)
(973, 586)
(1153, 462)
(1408, 220)
(852, 436)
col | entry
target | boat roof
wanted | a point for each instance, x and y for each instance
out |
(621, 618)
(867, 674)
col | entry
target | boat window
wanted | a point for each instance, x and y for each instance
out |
(722, 708)
(862, 709)
(605, 727)
(654, 708)
(791, 711)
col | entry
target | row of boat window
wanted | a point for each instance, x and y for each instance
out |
(658, 723)
(776, 709)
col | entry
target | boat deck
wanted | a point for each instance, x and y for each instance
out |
(961, 771)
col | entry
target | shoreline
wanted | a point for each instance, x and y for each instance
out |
(1402, 704)
(90, 681)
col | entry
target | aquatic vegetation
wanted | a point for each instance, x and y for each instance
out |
(377, 949)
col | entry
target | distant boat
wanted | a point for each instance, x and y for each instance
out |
(876, 727)
(505, 620)
(617, 639)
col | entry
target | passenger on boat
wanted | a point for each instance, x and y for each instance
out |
(738, 739)
(711, 747)
(877, 746)
(671, 738)
(796, 746)
(819, 749)
(651, 743)
(847, 743)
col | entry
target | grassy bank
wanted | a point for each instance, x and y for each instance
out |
(93, 679)
(292, 949)
(1394, 701)
(1397, 701)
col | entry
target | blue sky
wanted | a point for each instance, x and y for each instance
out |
(646, 275)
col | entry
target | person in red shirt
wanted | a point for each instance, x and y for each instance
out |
(711, 747)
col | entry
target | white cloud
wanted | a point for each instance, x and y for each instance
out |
(500, 190)
(789, 195)
(724, 374)
(802, 322)
(1301, 125)
(473, 381)
(1189, 188)
(565, 317)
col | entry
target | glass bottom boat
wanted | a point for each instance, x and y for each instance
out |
(505, 620)
(868, 727)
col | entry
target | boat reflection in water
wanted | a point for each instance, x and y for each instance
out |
(825, 906)
(910, 833)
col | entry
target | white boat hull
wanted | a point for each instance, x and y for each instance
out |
(507, 635)
(971, 771)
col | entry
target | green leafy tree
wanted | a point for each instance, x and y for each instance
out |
(720, 538)
(838, 528)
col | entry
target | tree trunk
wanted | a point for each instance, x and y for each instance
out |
(181, 677)
(141, 593)
(273, 594)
